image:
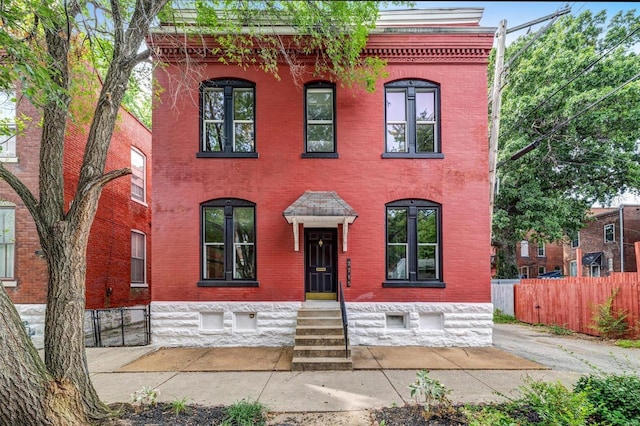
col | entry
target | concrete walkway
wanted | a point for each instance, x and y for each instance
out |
(381, 376)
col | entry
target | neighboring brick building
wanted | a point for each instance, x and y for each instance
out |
(606, 242)
(317, 185)
(123, 219)
(534, 259)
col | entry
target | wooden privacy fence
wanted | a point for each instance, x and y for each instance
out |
(571, 302)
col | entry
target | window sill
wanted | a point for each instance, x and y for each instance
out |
(139, 202)
(319, 155)
(139, 285)
(226, 155)
(222, 283)
(435, 155)
(7, 284)
(8, 159)
(413, 284)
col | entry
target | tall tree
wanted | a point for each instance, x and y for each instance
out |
(40, 42)
(570, 129)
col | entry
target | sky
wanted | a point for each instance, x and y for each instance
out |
(520, 12)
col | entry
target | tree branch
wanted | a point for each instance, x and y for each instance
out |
(21, 189)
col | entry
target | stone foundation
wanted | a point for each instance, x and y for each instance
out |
(273, 324)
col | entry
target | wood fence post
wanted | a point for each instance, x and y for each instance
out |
(578, 264)
(636, 246)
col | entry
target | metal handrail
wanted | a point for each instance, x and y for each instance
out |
(345, 323)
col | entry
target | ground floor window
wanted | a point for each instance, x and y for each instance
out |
(228, 242)
(413, 245)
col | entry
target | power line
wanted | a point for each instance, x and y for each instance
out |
(574, 78)
(533, 145)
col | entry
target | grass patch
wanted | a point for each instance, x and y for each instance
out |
(246, 413)
(626, 343)
(560, 330)
(500, 317)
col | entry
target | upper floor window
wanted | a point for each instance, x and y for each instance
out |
(524, 248)
(412, 123)
(414, 249)
(138, 259)
(542, 250)
(7, 242)
(138, 175)
(227, 116)
(575, 241)
(320, 123)
(609, 233)
(228, 243)
(7, 125)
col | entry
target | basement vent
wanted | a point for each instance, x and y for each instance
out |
(396, 321)
(211, 320)
(245, 321)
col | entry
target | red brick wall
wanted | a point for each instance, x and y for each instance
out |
(109, 250)
(360, 176)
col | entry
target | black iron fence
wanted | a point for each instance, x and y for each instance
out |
(118, 327)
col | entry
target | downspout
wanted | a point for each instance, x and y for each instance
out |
(621, 238)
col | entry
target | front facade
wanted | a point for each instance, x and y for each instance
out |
(537, 259)
(118, 255)
(269, 193)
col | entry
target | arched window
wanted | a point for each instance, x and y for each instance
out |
(228, 243)
(227, 116)
(412, 119)
(414, 244)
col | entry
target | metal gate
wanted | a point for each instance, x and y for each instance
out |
(118, 327)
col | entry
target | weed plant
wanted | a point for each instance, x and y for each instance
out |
(245, 413)
(500, 317)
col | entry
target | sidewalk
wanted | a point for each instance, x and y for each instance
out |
(381, 376)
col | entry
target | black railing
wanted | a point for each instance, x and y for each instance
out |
(119, 327)
(345, 324)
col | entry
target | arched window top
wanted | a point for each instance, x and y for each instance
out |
(413, 202)
(222, 82)
(319, 83)
(412, 82)
(221, 202)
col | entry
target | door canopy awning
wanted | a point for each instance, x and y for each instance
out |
(320, 209)
(594, 258)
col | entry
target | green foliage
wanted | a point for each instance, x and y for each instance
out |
(608, 322)
(616, 398)
(554, 404)
(560, 330)
(431, 390)
(179, 405)
(500, 317)
(626, 343)
(245, 413)
(584, 154)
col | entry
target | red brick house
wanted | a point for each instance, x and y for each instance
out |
(318, 186)
(606, 242)
(535, 259)
(118, 255)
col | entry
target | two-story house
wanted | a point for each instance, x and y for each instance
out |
(118, 254)
(269, 194)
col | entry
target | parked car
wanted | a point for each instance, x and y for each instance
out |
(551, 275)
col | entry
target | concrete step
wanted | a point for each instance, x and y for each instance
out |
(333, 313)
(319, 340)
(312, 321)
(319, 329)
(321, 364)
(320, 351)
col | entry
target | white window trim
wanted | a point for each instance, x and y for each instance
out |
(572, 267)
(523, 269)
(524, 248)
(542, 250)
(144, 284)
(576, 239)
(144, 178)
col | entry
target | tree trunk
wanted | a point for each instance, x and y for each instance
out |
(65, 355)
(506, 266)
(29, 395)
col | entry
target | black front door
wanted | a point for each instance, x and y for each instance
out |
(321, 263)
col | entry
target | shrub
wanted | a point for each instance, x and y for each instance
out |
(245, 413)
(607, 322)
(616, 398)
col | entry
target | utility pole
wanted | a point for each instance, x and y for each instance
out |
(496, 97)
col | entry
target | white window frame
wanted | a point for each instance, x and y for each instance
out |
(8, 243)
(576, 240)
(542, 270)
(524, 271)
(8, 154)
(524, 248)
(542, 250)
(135, 256)
(611, 227)
(594, 270)
(136, 176)
(573, 268)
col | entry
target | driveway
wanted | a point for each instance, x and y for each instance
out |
(574, 353)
